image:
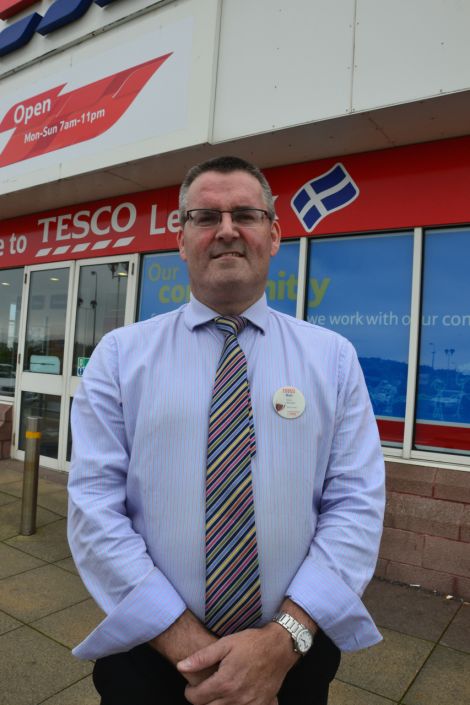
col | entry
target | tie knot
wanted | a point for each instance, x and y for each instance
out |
(230, 324)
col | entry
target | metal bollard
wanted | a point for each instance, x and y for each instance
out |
(30, 476)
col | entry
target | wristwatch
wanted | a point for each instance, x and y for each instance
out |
(301, 636)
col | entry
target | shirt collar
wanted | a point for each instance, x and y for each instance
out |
(198, 314)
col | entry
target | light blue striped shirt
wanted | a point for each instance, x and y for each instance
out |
(137, 482)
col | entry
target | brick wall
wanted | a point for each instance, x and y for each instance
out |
(426, 539)
(6, 416)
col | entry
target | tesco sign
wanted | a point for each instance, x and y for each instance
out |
(59, 14)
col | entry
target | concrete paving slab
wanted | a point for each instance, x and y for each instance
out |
(10, 519)
(408, 610)
(388, 668)
(49, 543)
(39, 592)
(45, 487)
(33, 668)
(58, 476)
(444, 680)
(71, 625)
(9, 475)
(6, 498)
(67, 564)
(457, 635)
(81, 693)
(7, 623)
(13, 561)
(51, 495)
(345, 694)
(55, 501)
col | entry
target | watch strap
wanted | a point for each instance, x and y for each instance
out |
(292, 625)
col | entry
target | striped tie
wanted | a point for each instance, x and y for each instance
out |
(233, 595)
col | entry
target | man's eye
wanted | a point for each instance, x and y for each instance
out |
(207, 218)
(244, 217)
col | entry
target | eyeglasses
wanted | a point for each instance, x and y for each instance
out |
(211, 218)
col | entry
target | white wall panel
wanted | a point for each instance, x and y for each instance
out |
(282, 63)
(410, 49)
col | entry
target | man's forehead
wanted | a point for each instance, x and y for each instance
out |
(215, 182)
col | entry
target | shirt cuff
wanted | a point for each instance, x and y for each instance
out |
(337, 609)
(139, 617)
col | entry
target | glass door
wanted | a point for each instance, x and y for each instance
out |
(69, 307)
(104, 299)
(44, 330)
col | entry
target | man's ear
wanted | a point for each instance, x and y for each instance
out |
(275, 237)
(180, 242)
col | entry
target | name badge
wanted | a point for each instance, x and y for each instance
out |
(289, 402)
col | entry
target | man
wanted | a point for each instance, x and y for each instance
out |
(195, 613)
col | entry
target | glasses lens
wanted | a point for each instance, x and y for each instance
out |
(205, 218)
(247, 217)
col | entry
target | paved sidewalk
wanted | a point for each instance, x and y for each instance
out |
(45, 610)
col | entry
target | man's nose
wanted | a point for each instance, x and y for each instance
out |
(226, 229)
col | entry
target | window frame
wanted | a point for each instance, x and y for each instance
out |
(440, 459)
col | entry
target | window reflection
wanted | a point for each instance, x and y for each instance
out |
(101, 306)
(47, 408)
(443, 403)
(11, 282)
(360, 286)
(45, 328)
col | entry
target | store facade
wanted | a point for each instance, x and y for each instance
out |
(376, 241)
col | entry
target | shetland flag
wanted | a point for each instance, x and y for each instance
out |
(323, 195)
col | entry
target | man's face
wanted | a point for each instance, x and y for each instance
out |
(228, 264)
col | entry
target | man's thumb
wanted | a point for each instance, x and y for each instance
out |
(204, 658)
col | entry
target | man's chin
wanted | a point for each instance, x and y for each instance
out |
(227, 283)
(233, 269)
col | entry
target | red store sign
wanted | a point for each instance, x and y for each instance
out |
(420, 185)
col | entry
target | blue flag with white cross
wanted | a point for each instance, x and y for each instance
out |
(323, 195)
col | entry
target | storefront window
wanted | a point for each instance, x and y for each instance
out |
(165, 283)
(11, 282)
(101, 304)
(443, 403)
(360, 286)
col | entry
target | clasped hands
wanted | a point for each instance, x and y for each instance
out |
(243, 668)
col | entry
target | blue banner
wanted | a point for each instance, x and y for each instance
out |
(165, 282)
(360, 286)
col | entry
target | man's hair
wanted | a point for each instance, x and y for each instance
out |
(225, 165)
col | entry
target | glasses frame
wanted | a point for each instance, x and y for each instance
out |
(189, 217)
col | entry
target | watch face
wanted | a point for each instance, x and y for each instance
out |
(304, 641)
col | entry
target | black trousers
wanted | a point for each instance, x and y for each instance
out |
(143, 677)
